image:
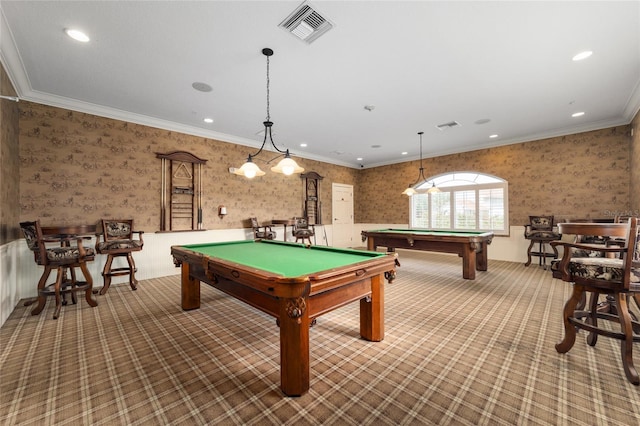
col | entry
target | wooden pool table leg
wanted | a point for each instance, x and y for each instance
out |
(294, 346)
(372, 311)
(190, 289)
(371, 244)
(468, 262)
(481, 257)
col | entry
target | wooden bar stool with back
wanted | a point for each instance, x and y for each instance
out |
(60, 249)
(115, 239)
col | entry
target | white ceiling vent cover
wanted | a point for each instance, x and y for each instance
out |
(448, 125)
(306, 23)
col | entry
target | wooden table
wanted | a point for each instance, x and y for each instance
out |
(293, 283)
(471, 246)
(593, 228)
(70, 231)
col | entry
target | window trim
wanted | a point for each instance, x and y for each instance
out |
(477, 187)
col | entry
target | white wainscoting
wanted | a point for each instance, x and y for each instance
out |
(19, 274)
(9, 296)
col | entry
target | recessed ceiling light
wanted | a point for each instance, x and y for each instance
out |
(359, 159)
(493, 136)
(582, 55)
(208, 120)
(201, 87)
(77, 35)
(304, 145)
(577, 114)
(404, 153)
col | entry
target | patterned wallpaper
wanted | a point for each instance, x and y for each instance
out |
(9, 175)
(635, 169)
(584, 175)
(77, 168)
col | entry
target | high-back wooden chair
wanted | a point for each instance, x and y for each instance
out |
(302, 231)
(616, 276)
(116, 239)
(595, 240)
(262, 232)
(541, 230)
(63, 253)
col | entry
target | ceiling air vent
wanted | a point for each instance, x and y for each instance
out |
(448, 125)
(306, 23)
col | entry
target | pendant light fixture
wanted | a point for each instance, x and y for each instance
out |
(287, 165)
(411, 188)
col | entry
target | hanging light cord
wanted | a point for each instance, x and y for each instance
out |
(421, 175)
(268, 85)
(268, 123)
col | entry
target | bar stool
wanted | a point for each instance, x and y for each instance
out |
(67, 254)
(541, 231)
(118, 241)
(302, 230)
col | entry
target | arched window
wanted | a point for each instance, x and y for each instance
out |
(466, 201)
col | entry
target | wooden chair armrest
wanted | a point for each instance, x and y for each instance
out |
(567, 254)
(591, 247)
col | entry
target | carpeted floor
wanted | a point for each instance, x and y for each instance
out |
(456, 352)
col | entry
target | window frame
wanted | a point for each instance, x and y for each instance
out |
(444, 184)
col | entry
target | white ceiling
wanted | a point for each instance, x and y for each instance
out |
(420, 63)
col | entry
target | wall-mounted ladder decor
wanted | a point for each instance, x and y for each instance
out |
(311, 203)
(181, 193)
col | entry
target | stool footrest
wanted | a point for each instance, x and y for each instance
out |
(116, 272)
(540, 254)
(49, 290)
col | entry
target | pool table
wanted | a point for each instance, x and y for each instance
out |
(471, 246)
(293, 283)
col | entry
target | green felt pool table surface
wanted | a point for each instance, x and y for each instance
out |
(286, 259)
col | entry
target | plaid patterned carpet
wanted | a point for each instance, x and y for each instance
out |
(456, 352)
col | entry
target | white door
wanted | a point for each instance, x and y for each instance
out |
(342, 210)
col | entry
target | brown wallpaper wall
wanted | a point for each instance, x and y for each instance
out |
(78, 168)
(635, 166)
(584, 175)
(9, 164)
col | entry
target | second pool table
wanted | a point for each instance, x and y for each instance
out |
(471, 246)
(293, 283)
